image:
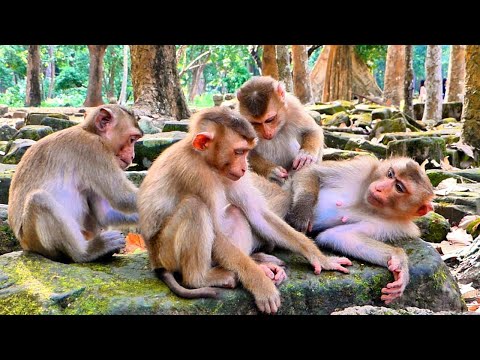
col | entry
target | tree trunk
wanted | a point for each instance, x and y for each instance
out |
(394, 75)
(253, 49)
(269, 61)
(338, 74)
(408, 83)
(156, 86)
(122, 99)
(471, 105)
(195, 86)
(95, 76)
(317, 75)
(111, 76)
(456, 74)
(433, 83)
(283, 62)
(33, 95)
(51, 70)
(301, 77)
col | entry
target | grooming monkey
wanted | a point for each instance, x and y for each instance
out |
(198, 208)
(362, 203)
(70, 186)
(289, 138)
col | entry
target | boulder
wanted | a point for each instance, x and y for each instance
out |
(8, 241)
(16, 149)
(449, 135)
(436, 175)
(136, 176)
(420, 149)
(150, 146)
(58, 124)
(457, 204)
(19, 124)
(381, 113)
(339, 140)
(337, 119)
(33, 132)
(7, 132)
(6, 173)
(379, 150)
(362, 120)
(19, 114)
(468, 271)
(36, 118)
(32, 284)
(3, 109)
(328, 109)
(181, 125)
(316, 116)
(336, 154)
(147, 126)
(433, 227)
(388, 126)
(381, 310)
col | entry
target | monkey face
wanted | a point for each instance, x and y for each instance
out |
(126, 148)
(234, 163)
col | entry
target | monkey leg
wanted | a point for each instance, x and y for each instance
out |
(186, 245)
(48, 229)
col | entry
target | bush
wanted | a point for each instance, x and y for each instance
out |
(14, 95)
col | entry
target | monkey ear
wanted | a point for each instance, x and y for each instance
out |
(202, 140)
(103, 120)
(281, 91)
(425, 208)
(238, 95)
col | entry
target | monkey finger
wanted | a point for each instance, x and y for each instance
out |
(343, 261)
(310, 226)
(295, 163)
(342, 269)
(267, 271)
(273, 306)
(303, 159)
(317, 268)
(388, 298)
(392, 291)
(395, 284)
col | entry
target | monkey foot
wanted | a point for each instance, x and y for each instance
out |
(274, 272)
(396, 288)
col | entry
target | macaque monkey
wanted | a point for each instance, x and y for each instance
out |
(199, 212)
(289, 138)
(70, 186)
(362, 203)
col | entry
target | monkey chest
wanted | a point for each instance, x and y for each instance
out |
(281, 150)
(332, 209)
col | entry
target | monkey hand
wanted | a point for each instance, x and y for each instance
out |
(299, 217)
(331, 263)
(278, 174)
(304, 158)
(399, 268)
(274, 272)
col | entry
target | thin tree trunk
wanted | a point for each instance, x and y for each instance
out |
(456, 74)
(283, 63)
(317, 75)
(408, 83)
(301, 77)
(122, 99)
(394, 75)
(194, 86)
(256, 58)
(269, 61)
(95, 77)
(156, 85)
(471, 105)
(433, 83)
(338, 75)
(51, 67)
(33, 96)
(111, 76)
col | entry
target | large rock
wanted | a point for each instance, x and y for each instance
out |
(147, 125)
(8, 242)
(58, 124)
(449, 110)
(388, 126)
(433, 227)
(337, 119)
(337, 154)
(420, 149)
(382, 114)
(379, 150)
(362, 120)
(457, 204)
(468, 270)
(33, 132)
(6, 173)
(136, 176)
(339, 140)
(436, 175)
(181, 125)
(449, 135)
(36, 118)
(126, 285)
(7, 132)
(149, 147)
(328, 109)
(16, 150)
(381, 310)
(3, 109)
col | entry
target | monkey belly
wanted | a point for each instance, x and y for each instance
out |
(281, 150)
(331, 210)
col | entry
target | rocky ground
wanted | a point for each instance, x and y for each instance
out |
(443, 260)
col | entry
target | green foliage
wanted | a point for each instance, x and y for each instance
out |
(375, 58)
(14, 95)
(68, 97)
(203, 100)
(69, 78)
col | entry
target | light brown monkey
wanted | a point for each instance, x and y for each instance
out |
(70, 186)
(362, 203)
(289, 138)
(198, 207)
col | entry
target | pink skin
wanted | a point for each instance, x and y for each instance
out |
(395, 289)
(303, 159)
(344, 219)
(280, 172)
(274, 272)
(339, 203)
(335, 263)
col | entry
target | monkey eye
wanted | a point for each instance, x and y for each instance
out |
(269, 120)
(239, 152)
(399, 187)
(390, 173)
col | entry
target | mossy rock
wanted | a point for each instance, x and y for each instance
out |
(136, 176)
(381, 310)
(362, 120)
(449, 135)
(181, 125)
(339, 140)
(316, 116)
(6, 173)
(146, 124)
(16, 149)
(436, 175)
(418, 109)
(337, 154)
(449, 120)
(337, 119)
(328, 109)
(3, 109)
(3, 148)
(7, 132)
(149, 147)
(33, 132)
(452, 110)
(379, 150)
(388, 126)
(381, 113)
(434, 227)
(468, 270)
(420, 149)
(36, 118)
(8, 241)
(33, 284)
(365, 108)
(58, 124)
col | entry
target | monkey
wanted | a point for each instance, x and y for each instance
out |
(289, 138)
(70, 187)
(357, 205)
(201, 216)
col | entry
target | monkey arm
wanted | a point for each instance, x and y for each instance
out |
(261, 165)
(107, 216)
(312, 141)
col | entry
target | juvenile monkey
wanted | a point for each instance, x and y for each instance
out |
(70, 186)
(198, 208)
(362, 203)
(289, 138)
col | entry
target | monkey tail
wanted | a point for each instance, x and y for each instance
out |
(168, 278)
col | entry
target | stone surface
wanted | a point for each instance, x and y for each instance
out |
(181, 125)
(58, 124)
(36, 118)
(387, 126)
(381, 310)
(16, 150)
(7, 132)
(8, 242)
(382, 114)
(419, 149)
(434, 227)
(3, 109)
(32, 284)
(337, 119)
(328, 109)
(33, 132)
(6, 173)
(147, 126)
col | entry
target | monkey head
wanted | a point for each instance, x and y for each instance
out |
(223, 138)
(261, 99)
(118, 128)
(400, 188)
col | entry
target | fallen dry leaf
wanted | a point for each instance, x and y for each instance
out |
(467, 149)
(134, 243)
(447, 186)
(445, 164)
(474, 307)
(459, 235)
(467, 220)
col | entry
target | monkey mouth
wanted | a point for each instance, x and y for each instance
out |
(123, 164)
(233, 177)
(374, 201)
